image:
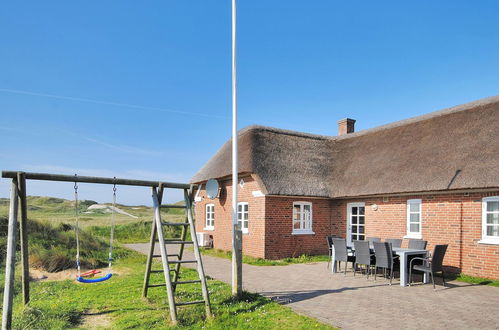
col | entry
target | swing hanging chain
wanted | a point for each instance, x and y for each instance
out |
(77, 229)
(110, 259)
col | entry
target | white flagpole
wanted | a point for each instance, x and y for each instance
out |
(236, 231)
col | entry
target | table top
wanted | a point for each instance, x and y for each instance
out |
(398, 250)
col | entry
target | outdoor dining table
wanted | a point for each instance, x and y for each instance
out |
(403, 254)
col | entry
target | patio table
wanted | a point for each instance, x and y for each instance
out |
(403, 254)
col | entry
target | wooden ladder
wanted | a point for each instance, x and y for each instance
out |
(157, 235)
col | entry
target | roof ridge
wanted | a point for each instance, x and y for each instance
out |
(424, 117)
(285, 132)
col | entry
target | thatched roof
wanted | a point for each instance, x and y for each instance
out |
(455, 148)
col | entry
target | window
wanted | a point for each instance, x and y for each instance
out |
(490, 220)
(242, 216)
(414, 218)
(210, 217)
(302, 218)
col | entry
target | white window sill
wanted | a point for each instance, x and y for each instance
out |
(304, 232)
(414, 236)
(209, 228)
(493, 241)
(245, 231)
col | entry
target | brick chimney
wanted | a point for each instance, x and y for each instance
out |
(346, 126)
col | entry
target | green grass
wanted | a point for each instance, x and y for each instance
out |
(476, 280)
(265, 262)
(53, 247)
(58, 210)
(136, 232)
(64, 304)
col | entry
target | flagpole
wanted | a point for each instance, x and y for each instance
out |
(236, 230)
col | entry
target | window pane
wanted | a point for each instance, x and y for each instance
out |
(414, 217)
(361, 229)
(246, 216)
(306, 208)
(414, 228)
(414, 207)
(354, 220)
(246, 206)
(362, 220)
(362, 237)
(239, 208)
(354, 237)
(245, 224)
(354, 229)
(493, 218)
(361, 210)
(493, 231)
(354, 210)
(296, 224)
(493, 206)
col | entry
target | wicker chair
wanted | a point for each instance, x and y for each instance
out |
(395, 242)
(431, 265)
(363, 256)
(417, 244)
(341, 253)
(384, 258)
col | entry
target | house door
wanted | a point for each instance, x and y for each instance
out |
(356, 220)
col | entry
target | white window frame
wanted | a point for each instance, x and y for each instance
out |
(303, 222)
(417, 235)
(487, 239)
(241, 222)
(209, 215)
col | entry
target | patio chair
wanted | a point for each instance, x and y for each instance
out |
(330, 245)
(363, 256)
(373, 239)
(417, 244)
(431, 264)
(395, 242)
(384, 258)
(341, 253)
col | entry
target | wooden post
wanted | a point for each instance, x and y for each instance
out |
(21, 181)
(237, 262)
(10, 266)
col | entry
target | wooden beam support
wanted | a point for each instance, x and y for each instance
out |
(94, 179)
(10, 264)
(21, 182)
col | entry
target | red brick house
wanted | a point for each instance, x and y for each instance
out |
(434, 177)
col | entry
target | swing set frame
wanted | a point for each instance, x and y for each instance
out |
(18, 201)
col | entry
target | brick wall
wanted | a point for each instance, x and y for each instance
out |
(280, 241)
(454, 219)
(254, 240)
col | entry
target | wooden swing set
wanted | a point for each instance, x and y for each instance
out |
(171, 275)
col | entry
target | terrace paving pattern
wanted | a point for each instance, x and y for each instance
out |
(350, 302)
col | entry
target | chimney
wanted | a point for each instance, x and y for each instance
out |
(346, 126)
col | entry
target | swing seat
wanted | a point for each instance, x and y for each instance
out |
(90, 273)
(94, 280)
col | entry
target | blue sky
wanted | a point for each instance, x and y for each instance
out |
(142, 89)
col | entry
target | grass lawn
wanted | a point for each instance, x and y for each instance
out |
(265, 262)
(476, 280)
(117, 303)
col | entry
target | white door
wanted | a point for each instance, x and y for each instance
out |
(356, 221)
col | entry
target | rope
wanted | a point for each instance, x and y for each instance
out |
(110, 259)
(77, 229)
(111, 239)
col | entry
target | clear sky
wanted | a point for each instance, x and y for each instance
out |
(141, 89)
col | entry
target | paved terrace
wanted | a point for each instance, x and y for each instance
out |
(356, 303)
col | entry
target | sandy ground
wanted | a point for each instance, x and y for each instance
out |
(37, 275)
